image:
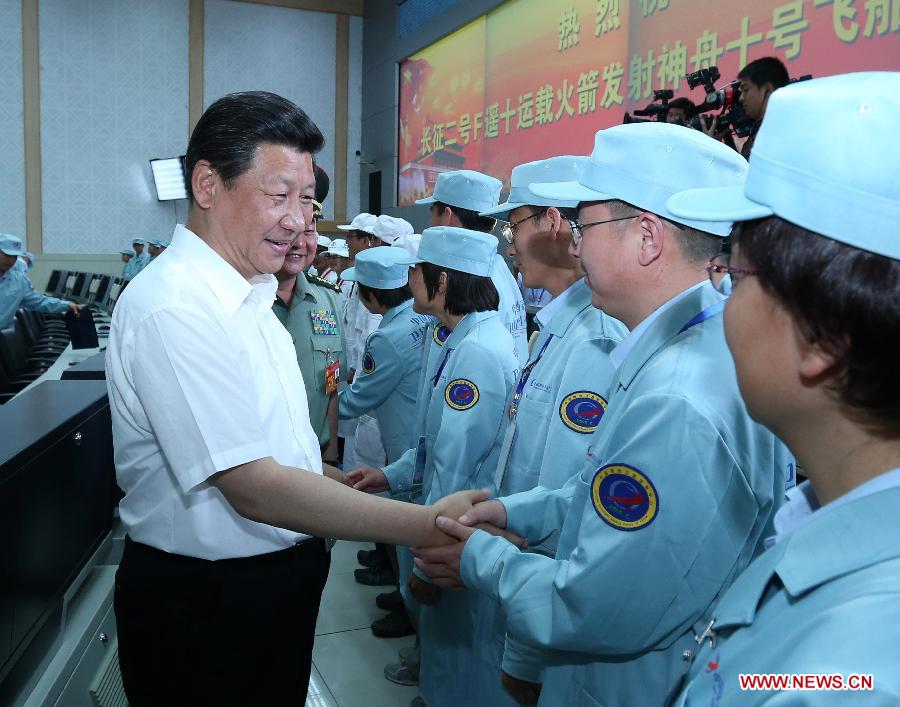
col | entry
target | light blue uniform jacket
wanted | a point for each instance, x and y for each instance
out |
(389, 379)
(825, 599)
(16, 291)
(679, 490)
(512, 307)
(562, 401)
(464, 429)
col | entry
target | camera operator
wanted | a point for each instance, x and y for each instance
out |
(757, 81)
(681, 110)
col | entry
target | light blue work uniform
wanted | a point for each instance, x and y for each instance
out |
(678, 492)
(389, 379)
(814, 603)
(464, 429)
(512, 307)
(564, 391)
(132, 267)
(16, 291)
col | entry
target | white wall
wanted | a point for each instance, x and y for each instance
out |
(354, 115)
(114, 94)
(261, 48)
(12, 149)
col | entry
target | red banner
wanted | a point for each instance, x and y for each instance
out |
(533, 79)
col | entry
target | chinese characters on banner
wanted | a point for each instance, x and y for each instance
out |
(533, 79)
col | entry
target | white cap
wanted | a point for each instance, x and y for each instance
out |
(339, 247)
(389, 228)
(361, 222)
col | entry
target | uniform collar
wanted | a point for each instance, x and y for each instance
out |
(563, 309)
(393, 312)
(659, 329)
(466, 324)
(857, 534)
(226, 283)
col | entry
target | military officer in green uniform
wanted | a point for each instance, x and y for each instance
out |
(310, 308)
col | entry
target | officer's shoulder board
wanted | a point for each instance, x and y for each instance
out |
(316, 280)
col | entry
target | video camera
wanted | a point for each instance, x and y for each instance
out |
(727, 99)
(659, 109)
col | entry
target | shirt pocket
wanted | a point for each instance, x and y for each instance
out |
(325, 349)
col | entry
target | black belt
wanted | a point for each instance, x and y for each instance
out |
(303, 546)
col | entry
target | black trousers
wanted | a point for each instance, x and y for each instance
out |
(227, 632)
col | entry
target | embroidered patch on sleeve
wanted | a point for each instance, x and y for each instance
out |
(368, 363)
(624, 497)
(461, 394)
(581, 411)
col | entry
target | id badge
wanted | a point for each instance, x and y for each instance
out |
(332, 377)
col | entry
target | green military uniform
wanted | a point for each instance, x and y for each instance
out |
(314, 323)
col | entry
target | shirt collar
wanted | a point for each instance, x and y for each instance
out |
(803, 506)
(620, 353)
(394, 311)
(226, 283)
(549, 310)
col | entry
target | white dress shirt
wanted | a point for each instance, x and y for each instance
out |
(202, 377)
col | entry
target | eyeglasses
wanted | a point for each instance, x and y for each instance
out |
(577, 228)
(509, 229)
(724, 277)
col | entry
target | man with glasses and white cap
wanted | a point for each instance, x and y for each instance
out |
(16, 289)
(465, 422)
(814, 327)
(680, 485)
(459, 198)
(559, 398)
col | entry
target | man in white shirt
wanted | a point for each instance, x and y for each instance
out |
(218, 590)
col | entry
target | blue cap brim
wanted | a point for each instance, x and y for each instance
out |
(502, 211)
(13, 252)
(716, 204)
(349, 275)
(568, 191)
(426, 200)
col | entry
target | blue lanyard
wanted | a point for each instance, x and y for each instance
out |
(441, 367)
(707, 313)
(523, 379)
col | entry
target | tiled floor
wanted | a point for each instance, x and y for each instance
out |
(348, 661)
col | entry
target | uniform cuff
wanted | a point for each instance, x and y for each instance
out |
(481, 562)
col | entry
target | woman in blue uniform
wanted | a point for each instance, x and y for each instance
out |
(392, 359)
(464, 427)
(814, 327)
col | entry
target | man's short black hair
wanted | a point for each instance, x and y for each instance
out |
(844, 299)
(468, 218)
(386, 298)
(769, 69)
(697, 247)
(684, 104)
(466, 293)
(231, 130)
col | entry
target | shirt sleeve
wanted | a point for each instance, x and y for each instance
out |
(381, 372)
(37, 302)
(198, 394)
(643, 584)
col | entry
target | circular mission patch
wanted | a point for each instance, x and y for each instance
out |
(581, 411)
(440, 334)
(461, 394)
(623, 497)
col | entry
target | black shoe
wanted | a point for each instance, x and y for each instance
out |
(389, 600)
(394, 625)
(372, 558)
(380, 577)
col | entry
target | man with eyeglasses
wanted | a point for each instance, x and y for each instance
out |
(559, 398)
(681, 485)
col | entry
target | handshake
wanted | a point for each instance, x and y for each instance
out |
(456, 516)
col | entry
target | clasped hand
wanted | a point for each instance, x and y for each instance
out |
(473, 512)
